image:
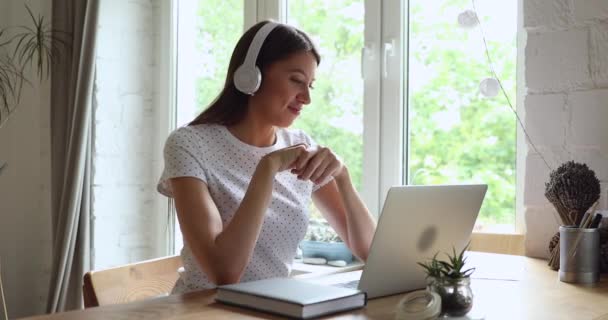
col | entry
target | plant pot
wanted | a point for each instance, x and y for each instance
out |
(328, 250)
(456, 295)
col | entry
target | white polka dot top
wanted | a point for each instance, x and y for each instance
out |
(226, 164)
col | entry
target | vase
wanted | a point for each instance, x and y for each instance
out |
(456, 295)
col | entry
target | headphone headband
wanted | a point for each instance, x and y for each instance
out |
(247, 77)
(257, 42)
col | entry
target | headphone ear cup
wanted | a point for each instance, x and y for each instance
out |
(247, 80)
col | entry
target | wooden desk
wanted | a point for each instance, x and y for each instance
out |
(537, 294)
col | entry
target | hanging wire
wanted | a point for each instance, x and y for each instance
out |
(504, 92)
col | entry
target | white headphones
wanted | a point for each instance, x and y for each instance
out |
(248, 77)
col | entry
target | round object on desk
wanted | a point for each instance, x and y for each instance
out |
(419, 305)
(314, 260)
(337, 263)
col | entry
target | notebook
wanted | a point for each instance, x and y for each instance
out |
(291, 297)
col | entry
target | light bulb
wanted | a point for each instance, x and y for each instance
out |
(489, 87)
(467, 19)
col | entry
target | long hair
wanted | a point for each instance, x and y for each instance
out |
(230, 106)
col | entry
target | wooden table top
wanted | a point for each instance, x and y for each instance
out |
(526, 289)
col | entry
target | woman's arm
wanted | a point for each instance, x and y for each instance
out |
(338, 200)
(223, 252)
(341, 205)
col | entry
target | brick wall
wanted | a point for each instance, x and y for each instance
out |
(128, 224)
(565, 102)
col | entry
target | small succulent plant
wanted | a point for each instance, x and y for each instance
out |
(433, 268)
(451, 282)
(451, 269)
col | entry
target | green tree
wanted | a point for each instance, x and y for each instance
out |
(219, 27)
(477, 142)
(335, 116)
(454, 134)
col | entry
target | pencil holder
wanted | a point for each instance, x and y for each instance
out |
(579, 255)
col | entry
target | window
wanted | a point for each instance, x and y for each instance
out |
(335, 116)
(396, 94)
(456, 134)
(207, 31)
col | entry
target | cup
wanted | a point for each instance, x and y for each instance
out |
(579, 254)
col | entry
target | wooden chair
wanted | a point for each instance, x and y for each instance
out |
(131, 282)
(512, 244)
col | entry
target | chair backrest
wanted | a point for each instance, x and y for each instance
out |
(131, 282)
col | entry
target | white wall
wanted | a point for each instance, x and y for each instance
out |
(128, 224)
(25, 199)
(565, 99)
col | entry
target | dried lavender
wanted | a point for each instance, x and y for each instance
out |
(572, 189)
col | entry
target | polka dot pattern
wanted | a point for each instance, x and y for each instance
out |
(226, 164)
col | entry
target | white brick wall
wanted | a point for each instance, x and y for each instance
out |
(584, 10)
(557, 61)
(589, 118)
(545, 116)
(566, 102)
(597, 54)
(127, 224)
(541, 13)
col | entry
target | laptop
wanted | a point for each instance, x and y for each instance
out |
(416, 222)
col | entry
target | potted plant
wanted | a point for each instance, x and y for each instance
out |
(37, 46)
(321, 241)
(451, 282)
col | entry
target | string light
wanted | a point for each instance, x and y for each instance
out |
(468, 19)
(489, 85)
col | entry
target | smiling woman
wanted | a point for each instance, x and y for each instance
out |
(242, 180)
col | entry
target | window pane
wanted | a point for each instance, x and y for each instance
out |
(207, 33)
(456, 134)
(335, 116)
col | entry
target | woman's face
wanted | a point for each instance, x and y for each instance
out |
(285, 89)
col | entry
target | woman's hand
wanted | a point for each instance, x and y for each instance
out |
(318, 164)
(285, 158)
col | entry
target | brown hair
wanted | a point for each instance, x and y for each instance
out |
(230, 106)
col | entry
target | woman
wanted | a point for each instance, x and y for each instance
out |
(242, 181)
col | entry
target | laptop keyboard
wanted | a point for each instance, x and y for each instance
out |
(351, 284)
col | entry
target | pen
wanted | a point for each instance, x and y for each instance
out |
(596, 221)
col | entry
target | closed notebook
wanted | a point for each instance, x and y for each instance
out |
(291, 297)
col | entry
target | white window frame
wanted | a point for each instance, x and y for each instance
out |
(167, 113)
(392, 126)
